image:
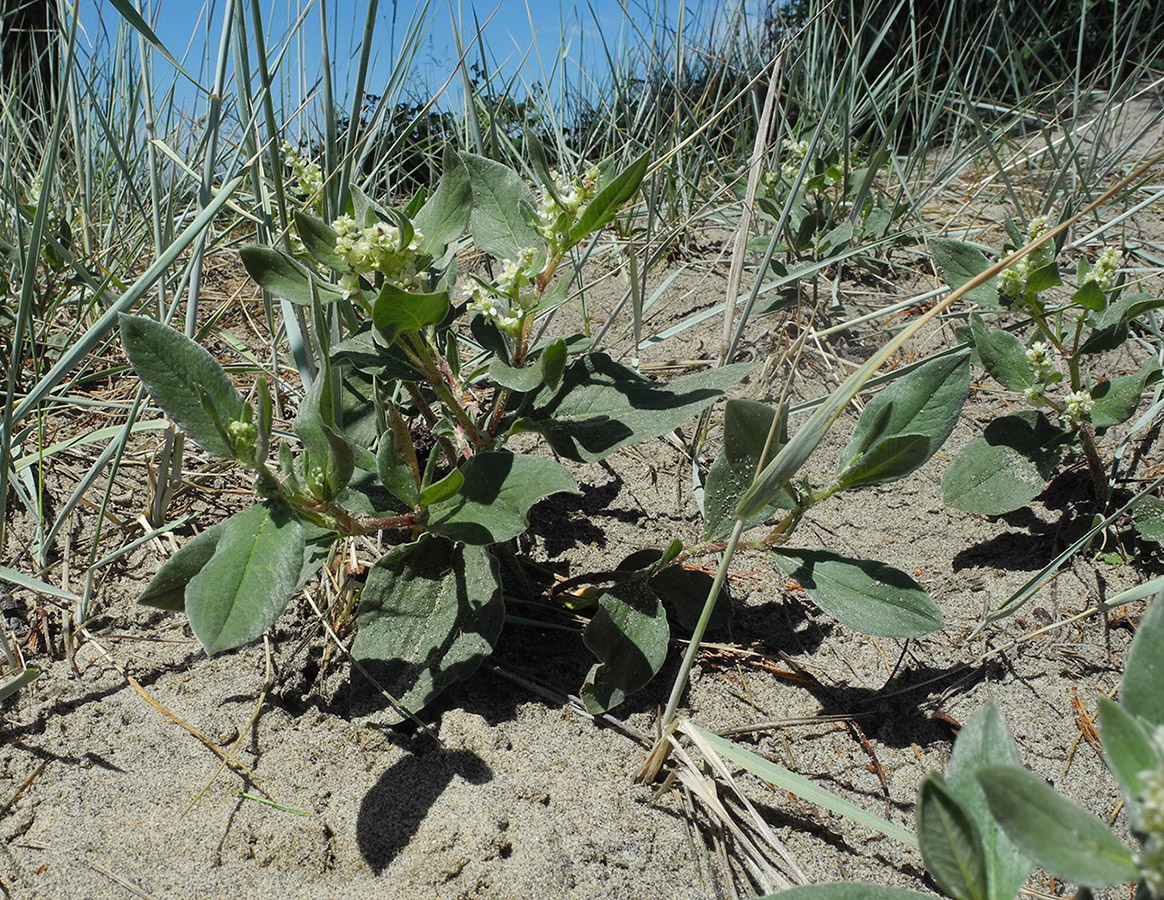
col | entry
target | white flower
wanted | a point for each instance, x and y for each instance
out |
(1106, 268)
(1078, 407)
(1151, 822)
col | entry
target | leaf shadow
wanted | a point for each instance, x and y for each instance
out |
(395, 807)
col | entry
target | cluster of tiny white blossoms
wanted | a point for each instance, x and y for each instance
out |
(511, 298)
(1151, 823)
(1106, 268)
(306, 176)
(1014, 283)
(794, 154)
(1044, 365)
(556, 219)
(376, 249)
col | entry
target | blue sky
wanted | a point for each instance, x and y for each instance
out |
(570, 29)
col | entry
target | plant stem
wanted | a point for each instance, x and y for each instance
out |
(701, 626)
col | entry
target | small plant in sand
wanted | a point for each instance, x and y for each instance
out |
(405, 428)
(1057, 359)
(985, 824)
(826, 201)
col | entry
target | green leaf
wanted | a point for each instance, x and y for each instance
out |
(319, 239)
(1116, 400)
(684, 592)
(1111, 328)
(601, 407)
(327, 450)
(629, 634)
(395, 472)
(443, 489)
(1044, 278)
(1006, 467)
(553, 361)
(891, 459)
(504, 218)
(868, 596)
(950, 843)
(746, 425)
(167, 589)
(430, 612)
(959, 262)
(246, 584)
(1141, 694)
(1057, 833)
(285, 277)
(170, 365)
(1129, 749)
(493, 503)
(1090, 295)
(1148, 517)
(398, 312)
(523, 380)
(604, 207)
(1003, 355)
(905, 424)
(445, 214)
(985, 740)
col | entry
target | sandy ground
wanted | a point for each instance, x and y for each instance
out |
(523, 796)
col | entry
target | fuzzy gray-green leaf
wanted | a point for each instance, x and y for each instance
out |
(1057, 833)
(167, 589)
(905, 424)
(285, 277)
(1141, 694)
(170, 365)
(629, 634)
(1005, 467)
(985, 740)
(950, 843)
(1003, 355)
(494, 500)
(430, 612)
(504, 217)
(959, 262)
(246, 584)
(746, 425)
(868, 596)
(601, 406)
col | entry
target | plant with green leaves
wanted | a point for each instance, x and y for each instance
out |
(1056, 356)
(404, 429)
(988, 821)
(822, 201)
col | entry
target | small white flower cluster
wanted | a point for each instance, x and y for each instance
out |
(307, 176)
(794, 154)
(1151, 823)
(511, 298)
(1041, 359)
(1077, 410)
(1014, 283)
(376, 248)
(556, 219)
(1106, 268)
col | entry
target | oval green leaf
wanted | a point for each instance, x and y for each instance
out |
(494, 500)
(430, 612)
(869, 597)
(1057, 833)
(950, 843)
(246, 584)
(629, 634)
(170, 365)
